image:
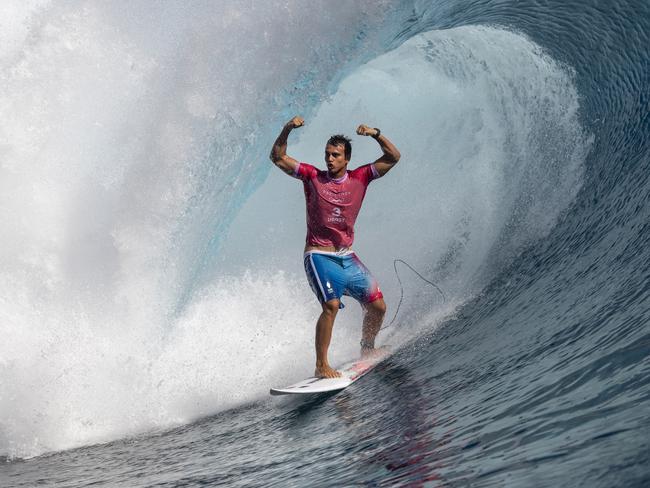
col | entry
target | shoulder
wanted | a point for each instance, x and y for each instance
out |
(305, 171)
(365, 173)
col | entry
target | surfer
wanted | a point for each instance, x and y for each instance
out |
(334, 198)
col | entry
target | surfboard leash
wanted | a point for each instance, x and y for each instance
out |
(401, 297)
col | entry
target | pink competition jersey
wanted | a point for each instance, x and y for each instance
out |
(333, 205)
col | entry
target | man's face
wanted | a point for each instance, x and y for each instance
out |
(335, 159)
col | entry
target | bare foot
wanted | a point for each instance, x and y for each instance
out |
(375, 352)
(326, 372)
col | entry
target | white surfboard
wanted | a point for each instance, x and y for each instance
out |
(350, 372)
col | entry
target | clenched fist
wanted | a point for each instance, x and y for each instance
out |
(364, 130)
(296, 122)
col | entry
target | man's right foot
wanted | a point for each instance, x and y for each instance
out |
(375, 352)
(326, 372)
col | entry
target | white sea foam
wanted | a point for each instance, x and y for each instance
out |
(134, 135)
(130, 134)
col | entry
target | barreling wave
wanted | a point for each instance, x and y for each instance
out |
(147, 247)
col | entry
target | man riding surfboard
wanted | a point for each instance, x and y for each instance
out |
(333, 199)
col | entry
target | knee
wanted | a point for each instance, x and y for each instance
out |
(331, 307)
(377, 308)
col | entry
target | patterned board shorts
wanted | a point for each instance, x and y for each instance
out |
(332, 275)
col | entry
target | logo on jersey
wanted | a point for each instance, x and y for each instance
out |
(336, 216)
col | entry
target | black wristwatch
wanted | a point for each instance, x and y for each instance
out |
(377, 134)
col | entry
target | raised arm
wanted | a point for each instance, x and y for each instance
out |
(279, 151)
(391, 155)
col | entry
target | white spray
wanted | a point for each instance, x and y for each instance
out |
(132, 135)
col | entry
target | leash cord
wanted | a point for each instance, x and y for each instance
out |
(401, 297)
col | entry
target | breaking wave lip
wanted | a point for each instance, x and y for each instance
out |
(500, 115)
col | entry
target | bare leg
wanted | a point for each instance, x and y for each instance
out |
(373, 317)
(324, 328)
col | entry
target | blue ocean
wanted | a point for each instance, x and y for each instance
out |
(151, 280)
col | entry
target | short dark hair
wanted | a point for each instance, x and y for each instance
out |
(341, 140)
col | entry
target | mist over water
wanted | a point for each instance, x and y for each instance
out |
(133, 134)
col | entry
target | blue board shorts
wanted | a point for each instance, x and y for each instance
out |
(333, 275)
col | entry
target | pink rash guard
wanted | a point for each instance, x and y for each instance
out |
(333, 204)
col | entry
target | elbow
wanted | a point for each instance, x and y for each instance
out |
(396, 155)
(275, 159)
